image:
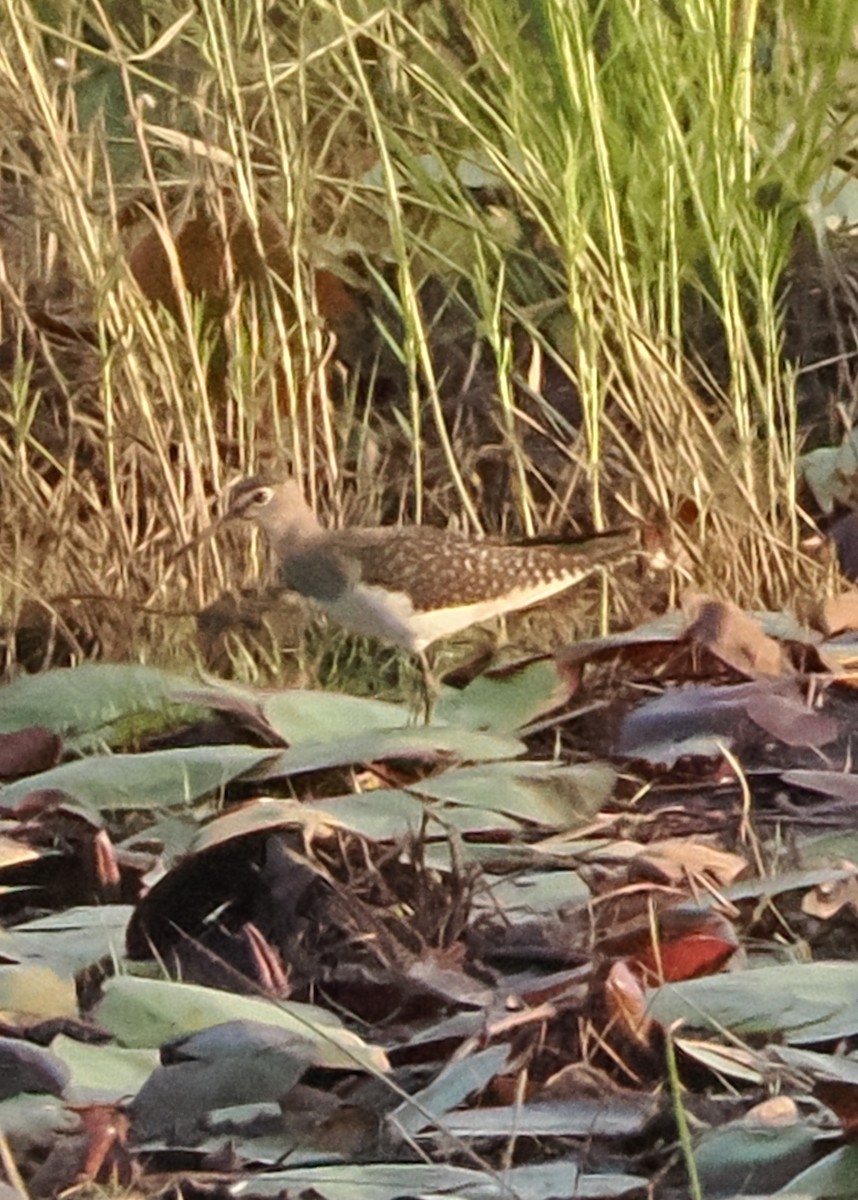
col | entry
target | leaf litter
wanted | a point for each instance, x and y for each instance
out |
(348, 953)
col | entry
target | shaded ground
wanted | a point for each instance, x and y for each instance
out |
(289, 940)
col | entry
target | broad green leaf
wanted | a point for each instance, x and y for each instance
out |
(522, 895)
(837, 846)
(382, 814)
(150, 1012)
(36, 1121)
(507, 699)
(86, 699)
(448, 1089)
(257, 1133)
(558, 1177)
(832, 1178)
(237, 1063)
(490, 796)
(103, 1074)
(390, 815)
(111, 704)
(363, 1181)
(517, 857)
(157, 779)
(71, 940)
(419, 742)
(828, 469)
(748, 1158)
(390, 1181)
(37, 992)
(585, 1117)
(785, 881)
(841, 1067)
(300, 715)
(800, 1002)
(542, 793)
(259, 815)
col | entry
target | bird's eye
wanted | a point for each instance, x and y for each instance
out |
(261, 497)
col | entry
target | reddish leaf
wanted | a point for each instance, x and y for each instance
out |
(105, 865)
(107, 1129)
(28, 751)
(688, 957)
(842, 1098)
(691, 941)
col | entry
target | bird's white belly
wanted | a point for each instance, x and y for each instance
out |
(427, 627)
(390, 616)
(373, 612)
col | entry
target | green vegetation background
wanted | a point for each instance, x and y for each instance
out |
(594, 206)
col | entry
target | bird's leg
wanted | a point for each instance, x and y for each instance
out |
(428, 685)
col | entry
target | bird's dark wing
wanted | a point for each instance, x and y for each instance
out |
(419, 560)
(440, 569)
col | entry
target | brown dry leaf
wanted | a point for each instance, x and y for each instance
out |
(733, 636)
(776, 1112)
(827, 899)
(581, 1079)
(840, 612)
(14, 853)
(626, 1002)
(677, 859)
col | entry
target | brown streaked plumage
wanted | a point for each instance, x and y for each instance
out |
(414, 584)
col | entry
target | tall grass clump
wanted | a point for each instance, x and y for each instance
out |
(506, 264)
(661, 156)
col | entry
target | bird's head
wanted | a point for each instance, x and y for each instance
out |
(252, 499)
(276, 505)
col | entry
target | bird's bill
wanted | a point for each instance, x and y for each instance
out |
(207, 534)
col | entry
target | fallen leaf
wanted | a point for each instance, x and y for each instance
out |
(842, 1098)
(701, 719)
(28, 751)
(734, 637)
(690, 957)
(776, 1111)
(678, 859)
(692, 941)
(827, 899)
(840, 612)
(626, 1002)
(783, 712)
(106, 1127)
